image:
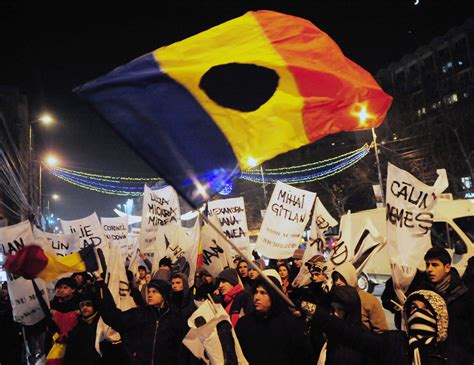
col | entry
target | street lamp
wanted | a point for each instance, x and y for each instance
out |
(363, 115)
(45, 119)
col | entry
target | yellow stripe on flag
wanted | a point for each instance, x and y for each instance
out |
(256, 136)
(61, 265)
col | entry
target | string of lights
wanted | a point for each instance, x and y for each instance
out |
(133, 186)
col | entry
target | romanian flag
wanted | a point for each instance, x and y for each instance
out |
(202, 109)
(33, 262)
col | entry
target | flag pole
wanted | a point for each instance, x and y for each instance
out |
(244, 255)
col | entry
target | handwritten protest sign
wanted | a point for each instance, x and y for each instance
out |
(57, 244)
(214, 258)
(284, 222)
(25, 305)
(233, 221)
(409, 217)
(89, 231)
(160, 209)
(116, 231)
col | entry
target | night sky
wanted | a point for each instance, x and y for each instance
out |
(49, 48)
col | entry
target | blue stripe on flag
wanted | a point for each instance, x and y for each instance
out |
(166, 126)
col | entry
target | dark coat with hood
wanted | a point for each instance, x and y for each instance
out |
(419, 282)
(460, 302)
(275, 337)
(388, 348)
(80, 348)
(337, 351)
(183, 301)
(151, 335)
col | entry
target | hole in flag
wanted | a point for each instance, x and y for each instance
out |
(239, 86)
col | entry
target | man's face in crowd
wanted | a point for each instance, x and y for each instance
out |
(148, 278)
(337, 310)
(154, 297)
(297, 263)
(253, 274)
(243, 269)
(141, 273)
(165, 267)
(79, 279)
(340, 281)
(225, 287)
(65, 292)
(177, 284)
(436, 270)
(317, 276)
(262, 300)
(87, 308)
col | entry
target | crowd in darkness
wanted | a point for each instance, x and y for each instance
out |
(332, 322)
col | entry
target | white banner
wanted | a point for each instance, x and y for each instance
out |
(410, 210)
(117, 282)
(204, 340)
(284, 222)
(214, 258)
(57, 244)
(116, 231)
(26, 308)
(369, 242)
(181, 249)
(89, 231)
(160, 209)
(233, 220)
(321, 220)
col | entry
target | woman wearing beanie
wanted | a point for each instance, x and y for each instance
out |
(423, 344)
(151, 334)
(233, 298)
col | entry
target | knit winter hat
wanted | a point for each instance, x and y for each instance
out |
(435, 303)
(298, 254)
(229, 275)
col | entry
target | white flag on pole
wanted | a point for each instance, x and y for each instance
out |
(410, 211)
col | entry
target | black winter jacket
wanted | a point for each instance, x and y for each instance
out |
(80, 347)
(460, 302)
(151, 336)
(273, 340)
(388, 348)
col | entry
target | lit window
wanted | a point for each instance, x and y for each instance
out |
(466, 182)
(451, 99)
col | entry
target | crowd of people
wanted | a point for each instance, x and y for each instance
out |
(332, 322)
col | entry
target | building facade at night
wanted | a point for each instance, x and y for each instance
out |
(431, 120)
(14, 156)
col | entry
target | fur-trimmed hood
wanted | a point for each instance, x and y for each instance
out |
(438, 305)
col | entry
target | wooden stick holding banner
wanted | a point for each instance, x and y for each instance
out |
(245, 256)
